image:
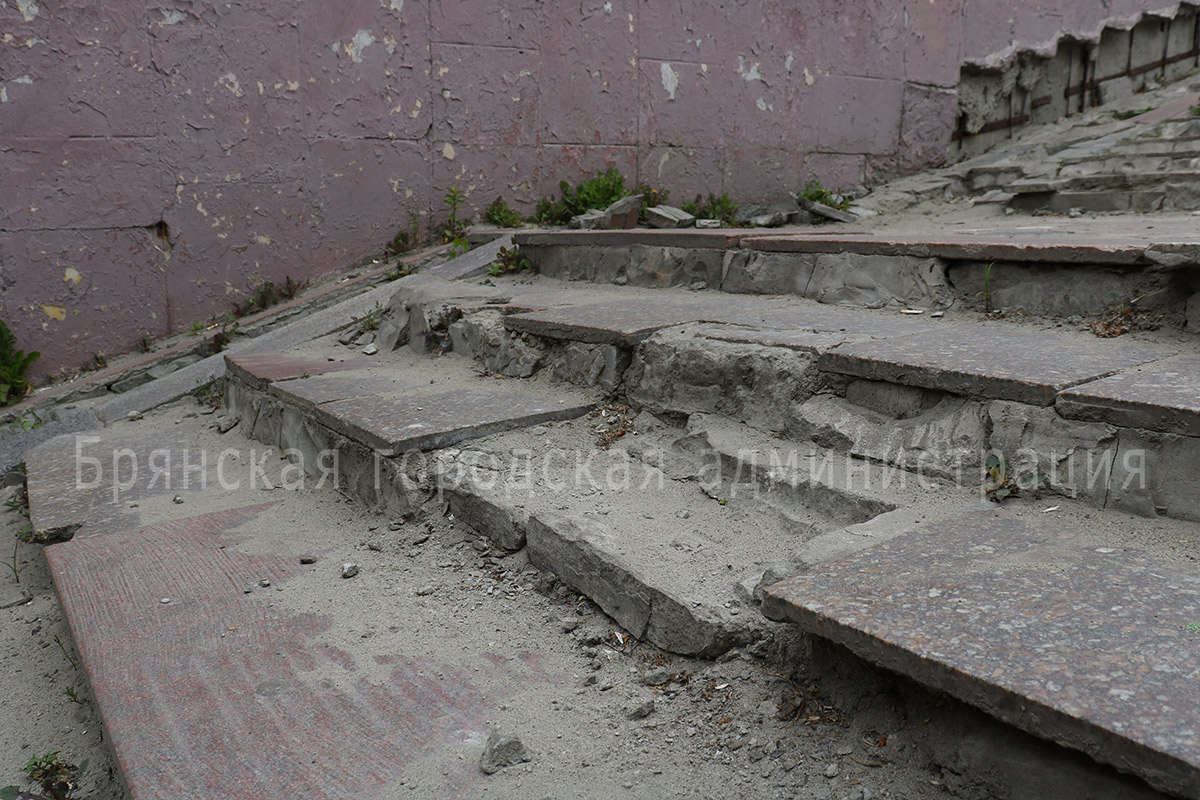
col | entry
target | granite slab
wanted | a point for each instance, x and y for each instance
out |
(318, 389)
(1092, 647)
(995, 361)
(1054, 247)
(617, 322)
(89, 483)
(260, 369)
(792, 340)
(716, 238)
(1164, 397)
(399, 423)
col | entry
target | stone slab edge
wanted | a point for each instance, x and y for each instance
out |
(951, 381)
(581, 552)
(713, 239)
(1120, 255)
(471, 264)
(586, 334)
(1127, 414)
(1010, 707)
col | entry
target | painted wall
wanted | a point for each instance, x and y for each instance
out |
(158, 159)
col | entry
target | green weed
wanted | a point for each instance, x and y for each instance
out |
(498, 213)
(714, 207)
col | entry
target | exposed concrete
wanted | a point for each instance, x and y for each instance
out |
(678, 372)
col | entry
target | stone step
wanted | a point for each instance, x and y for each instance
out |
(1063, 630)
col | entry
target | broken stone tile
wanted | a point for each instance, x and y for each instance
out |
(392, 423)
(661, 216)
(1162, 397)
(822, 210)
(259, 369)
(319, 389)
(986, 361)
(1088, 646)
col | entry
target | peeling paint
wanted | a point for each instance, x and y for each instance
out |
(55, 312)
(230, 82)
(787, 62)
(71, 275)
(809, 80)
(29, 9)
(361, 41)
(22, 79)
(396, 5)
(448, 151)
(3, 94)
(261, 239)
(670, 79)
(750, 73)
(171, 16)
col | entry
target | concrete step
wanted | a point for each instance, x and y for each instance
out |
(1066, 631)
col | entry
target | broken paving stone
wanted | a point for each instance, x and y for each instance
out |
(588, 220)
(349, 336)
(370, 350)
(225, 424)
(349, 570)
(365, 339)
(502, 750)
(668, 217)
(708, 223)
(822, 210)
(641, 710)
(623, 214)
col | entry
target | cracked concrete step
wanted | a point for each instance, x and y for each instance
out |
(678, 551)
(1163, 396)
(1067, 631)
(389, 410)
(991, 361)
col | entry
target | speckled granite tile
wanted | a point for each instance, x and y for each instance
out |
(1162, 397)
(259, 369)
(426, 421)
(792, 340)
(993, 361)
(628, 322)
(1094, 648)
(318, 389)
(84, 484)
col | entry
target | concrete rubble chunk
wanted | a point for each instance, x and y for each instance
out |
(503, 750)
(623, 214)
(661, 216)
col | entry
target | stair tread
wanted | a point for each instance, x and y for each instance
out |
(1039, 625)
(1164, 396)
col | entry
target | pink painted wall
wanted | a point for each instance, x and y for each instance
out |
(278, 139)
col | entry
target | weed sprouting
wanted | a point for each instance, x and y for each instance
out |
(56, 777)
(498, 213)
(13, 366)
(510, 260)
(814, 191)
(721, 208)
(1001, 483)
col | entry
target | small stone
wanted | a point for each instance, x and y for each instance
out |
(426, 590)
(683, 514)
(264, 583)
(668, 217)
(844, 749)
(480, 545)
(177, 499)
(308, 560)
(18, 596)
(225, 424)
(641, 710)
(395, 525)
(422, 539)
(832, 771)
(374, 526)
(165, 600)
(708, 223)
(590, 680)
(134, 416)
(699, 286)
(375, 545)
(365, 339)
(348, 337)
(502, 750)
(656, 677)
(349, 570)
(568, 624)
(248, 590)
(370, 349)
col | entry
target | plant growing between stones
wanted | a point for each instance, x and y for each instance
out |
(29, 421)
(13, 366)
(20, 536)
(370, 320)
(209, 393)
(498, 213)
(66, 652)
(814, 191)
(599, 192)
(455, 231)
(54, 776)
(438, 335)
(510, 260)
(721, 208)
(1000, 482)
(71, 694)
